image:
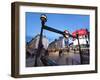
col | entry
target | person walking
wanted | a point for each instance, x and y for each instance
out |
(60, 53)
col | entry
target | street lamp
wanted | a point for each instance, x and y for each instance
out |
(66, 34)
(43, 19)
(87, 38)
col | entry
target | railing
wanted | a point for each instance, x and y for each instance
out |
(48, 62)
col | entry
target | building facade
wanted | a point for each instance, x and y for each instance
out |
(83, 36)
(58, 44)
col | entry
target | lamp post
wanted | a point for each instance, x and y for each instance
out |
(43, 19)
(77, 36)
(87, 40)
(87, 37)
(66, 35)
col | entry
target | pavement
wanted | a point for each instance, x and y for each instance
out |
(66, 58)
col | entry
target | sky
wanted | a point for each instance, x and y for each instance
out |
(70, 22)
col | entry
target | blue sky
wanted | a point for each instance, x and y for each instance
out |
(70, 22)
